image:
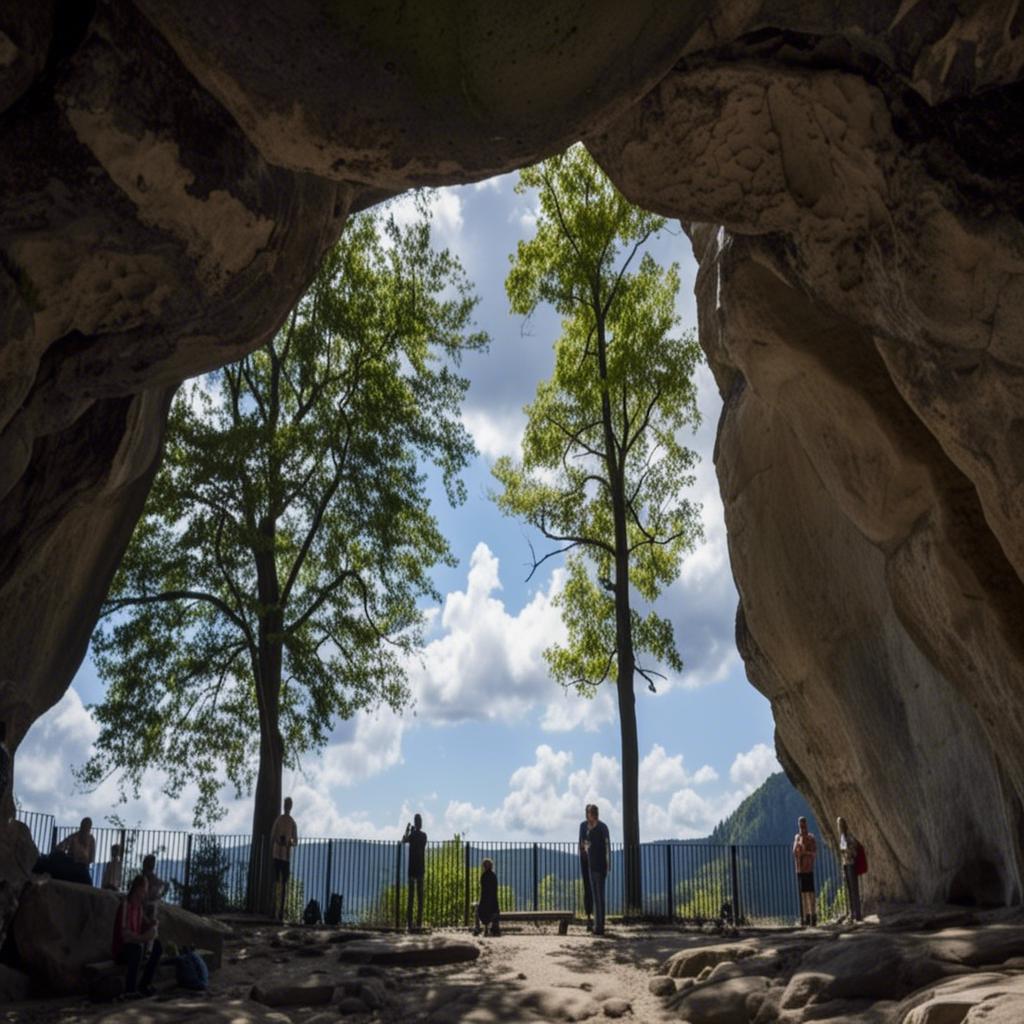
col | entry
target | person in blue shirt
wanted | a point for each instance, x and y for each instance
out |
(598, 845)
(588, 896)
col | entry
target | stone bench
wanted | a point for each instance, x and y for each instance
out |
(563, 917)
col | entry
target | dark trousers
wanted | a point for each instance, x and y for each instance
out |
(492, 919)
(415, 882)
(597, 889)
(131, 955)
(588, 895)
(853, 890)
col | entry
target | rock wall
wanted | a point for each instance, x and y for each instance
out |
(170, 174)
(861, 305)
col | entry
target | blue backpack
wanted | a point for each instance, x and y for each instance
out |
(191, 970)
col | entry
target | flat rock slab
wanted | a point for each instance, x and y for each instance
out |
(409, 951)
(308, 994)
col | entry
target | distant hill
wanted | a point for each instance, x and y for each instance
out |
(768, 815)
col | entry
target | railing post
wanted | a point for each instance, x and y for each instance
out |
(398, 886)
(465, 921)
(535, 876)
(668, 877)
(186, 895)
(735, 884)
(327, 880)
(53, 838)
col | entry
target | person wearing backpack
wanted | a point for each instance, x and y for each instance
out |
(855, 864)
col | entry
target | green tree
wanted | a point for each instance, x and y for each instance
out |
(272, 585)
(602, 465)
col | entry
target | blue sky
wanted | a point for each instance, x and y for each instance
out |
(493, 748)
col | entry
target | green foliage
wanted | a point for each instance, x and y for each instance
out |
(701, 898)
(272, 585)
(768, 815)
(602, 466)
(207, 890)
(603, 431)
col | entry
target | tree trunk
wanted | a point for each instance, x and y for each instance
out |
(625, 667)
(267, 801)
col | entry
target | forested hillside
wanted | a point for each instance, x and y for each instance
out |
(768, 815)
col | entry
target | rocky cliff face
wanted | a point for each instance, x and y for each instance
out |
(853, 179)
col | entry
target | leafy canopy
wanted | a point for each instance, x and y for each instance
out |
(274, 578)
(602, 466)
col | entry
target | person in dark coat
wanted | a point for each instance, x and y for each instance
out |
(588, 895)
(417, 840)
(487, 912)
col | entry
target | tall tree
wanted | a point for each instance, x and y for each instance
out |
(602, 466)
(271, 587)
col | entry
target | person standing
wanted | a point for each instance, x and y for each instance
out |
(80, 846)
(598, 845)
(417, 840)
(488, 912)
(284, 836)
(132, 932)
(588, 895)
(850, 852)
(112, 872)
(805, 849)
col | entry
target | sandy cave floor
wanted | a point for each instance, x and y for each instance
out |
(530, 974)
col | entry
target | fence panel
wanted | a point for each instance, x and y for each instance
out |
(40, 827)
(686, 882)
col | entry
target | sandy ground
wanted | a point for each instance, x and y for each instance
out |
(530, 974)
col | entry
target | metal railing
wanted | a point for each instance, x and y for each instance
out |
(681, 882)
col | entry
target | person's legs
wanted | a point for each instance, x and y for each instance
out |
(408, 902)
(588, 898)
(853, 890)
(152, 964)
(130, 956)
(419, 902)
(597, 888)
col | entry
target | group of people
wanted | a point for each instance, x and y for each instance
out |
(595, 865)
(135, 942)
(854, 861)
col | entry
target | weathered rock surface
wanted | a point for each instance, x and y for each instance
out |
(60, 927)
(170, 175)
(862, 307)
(311, 993)
(409, 951)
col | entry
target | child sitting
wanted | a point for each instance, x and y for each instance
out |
(487, 912)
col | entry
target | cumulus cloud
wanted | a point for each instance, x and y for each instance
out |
(660, 773)
(487, 663)
(750, 769)
(545, 799)
(495, 432)
(444, 207)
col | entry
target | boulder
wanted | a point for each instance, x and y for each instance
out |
(662, 987)
(555, 1004)
(733, 1001)
(14, 985)
(689, 963)
(18, 854)
(60, 927)
(616, 1007)
(409, 951)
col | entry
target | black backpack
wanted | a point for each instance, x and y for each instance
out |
(311, 915)
(333, 915)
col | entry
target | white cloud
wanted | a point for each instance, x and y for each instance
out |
(444, 207)
(487, 663)
(571, 711)
(495, 432)
(660, 773)
(750, 769)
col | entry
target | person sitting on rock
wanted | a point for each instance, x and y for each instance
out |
(487, 912)
(112, 872)
(80, 846)
(132, 931)
(155, 887)
(805, 849)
